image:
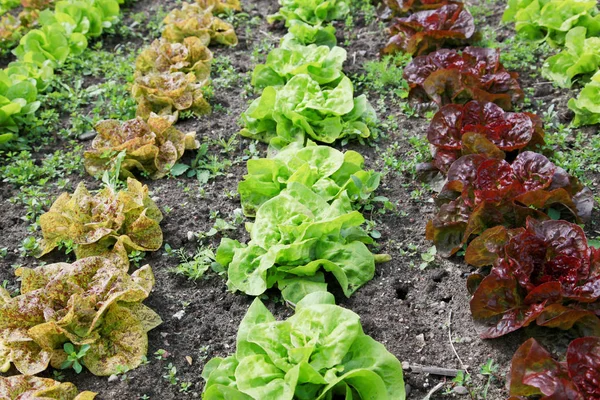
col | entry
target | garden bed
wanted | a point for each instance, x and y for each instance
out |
(419, 310)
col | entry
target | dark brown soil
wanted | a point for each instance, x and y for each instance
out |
(421, 316)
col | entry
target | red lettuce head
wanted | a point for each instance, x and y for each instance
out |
(430, 30)
(447, 76)
(477, 127)
(402, 7)
(483, 192)
(545, 272)
(535, 373)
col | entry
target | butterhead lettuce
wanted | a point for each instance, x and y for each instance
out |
(321, 353)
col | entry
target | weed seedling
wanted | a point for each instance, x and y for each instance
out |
(74, 357)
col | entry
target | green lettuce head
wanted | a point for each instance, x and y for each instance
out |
(109, 223)
(312, 12)
(320, 353)
(91, 302)
(302, 109)
(325, 170)
(295, 238)
(587, 105)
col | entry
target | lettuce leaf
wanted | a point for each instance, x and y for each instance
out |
(296, 235)
(109, 224)
(168, 93)
(302, 109)
(587, 105)
(312, 12)
(535, 373)
(551, 20)
(189, 56)
(194, 20)
(301, 33)
(317, 353)
(151, 147)
(92, 301)
(321, 63)
(426, 31)
(326, 171)
(545, 273)
(31, 387)
(580, 57)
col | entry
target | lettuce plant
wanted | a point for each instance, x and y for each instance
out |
(90, 302)
(480, 128)
(551, 20)
(50, 43)
(535, 373)
(321, 352)
(194, 20)
(303, 34)
(312, 12)
(151, 147)
(426, 31)
(483, 191)
(321, 63)
(326, 171)
(296, 235)
(110, 223)
(302, 109)
(580, 57)
(545, 272)
(18, 98)
(402, 7)
(86, 17)
(447, 76)
(189, 56)
(22, 387)
(168, 93)
(219, 7)
(587, 104)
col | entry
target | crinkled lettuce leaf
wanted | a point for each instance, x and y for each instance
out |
(32, 387)
(162, 56)
(535, 373)
(545, 273)
(551, 20)
(448, 76)
(318, 353)
(108, 223)
(168, 93)
(429, 30)
(90, 302)
(326, 171)
(219, 6)
(151, 147)
(321, 63)
(296, 236)
(312, 12)
(580, 57)
(587, 105)
(195, 20)
(301, 33)
(302, 109)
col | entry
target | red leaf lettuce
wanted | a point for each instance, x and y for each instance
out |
(545, 272)
(447, 76)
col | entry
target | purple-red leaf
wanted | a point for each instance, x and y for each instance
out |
(429, 30)
(446, 76)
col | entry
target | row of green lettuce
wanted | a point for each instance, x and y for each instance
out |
(574, 26)
(305, 199)
(63, 32)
